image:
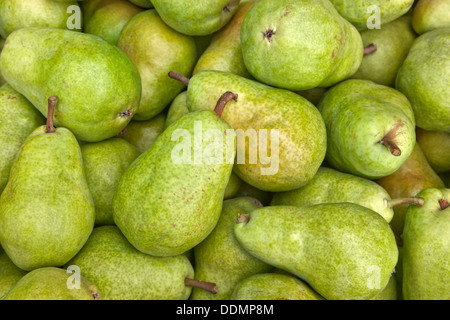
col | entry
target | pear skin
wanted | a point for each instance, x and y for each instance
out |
(436, 148)
(431, 14)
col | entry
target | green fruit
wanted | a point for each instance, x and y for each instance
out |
(272, 286)
(424, 79)
(370, 127)
(299, 45)
(51, 283)
(9, 273)
(247, 190)
(156, 49)
(97, 86)
(2, 80)
(104, 164)
(142, 3)
(389, 292)
(221, 259)
(431, 14)
(426, 250)
(436, 148)
(177, 109)
(343, 250)
(232, 187)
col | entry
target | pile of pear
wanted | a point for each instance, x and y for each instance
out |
(93, 205)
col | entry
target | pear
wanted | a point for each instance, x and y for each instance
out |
(247, 190)
(104, 164)
(177, 109)
(436, 148)
(46, 209)
(224, 52)
(169, 199)
(19, 119)
(221, 259)
(426, 251)
(411, 178)
(156, 49)
(370, 128)
(299, 45)
(146, 4)
(313, 95)
(142, 134)
(233, 186)
(9, 273)
(431, 14)
(51, 283)
(2, 80)
(97, 85)
(106, 18)
(273, 286)
(424, 80)
(389, 292)
(196, 17)
(18, 14)
(342, 250)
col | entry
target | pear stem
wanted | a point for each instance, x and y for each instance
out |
(208, 286)
(242, 218)
(223, 100)
(444, 204)
(52, 101)
(393, 148)
(371, 48)
(397, 202)
(178, 76)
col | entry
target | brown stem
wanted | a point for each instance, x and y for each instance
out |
(444, 204)
(223, 100)
(371, 48)
(393, 148)
(179, 77)
(52, 101)
(208, 286)
(242, 218)
(397, 202)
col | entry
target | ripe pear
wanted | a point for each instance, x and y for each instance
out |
(436, 148)
(51, 283)
(97, 85)
(247, 190)
(273, 286)
(431, 14)
(313, 95)
(147, 4)
(2, 80)
(370, 128)
(9, 273)
(177, 109)
(389, 292)
(343, 250)
(299, 45)
(232, 187)
(155, 49)
(46, 209)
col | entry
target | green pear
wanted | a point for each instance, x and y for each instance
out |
(19, 119)
(221, 259)
(407, 181)
(18, 14)
(46, 209)
(389, 292)
(436, 148)
(232, 187)
(426, 251)
(247, 190)
(142, 134)
(97, 85)
(299, 45)
(169, 199)
(2, 80)
(106, 18)
(202, 43)
(196, 17)
(313, 95)
(273, 286)
(399, 272)
(147, 4)
(286, 133)
(343, 250)
(424, 79)
(224, 52)
(372, 14)
(391, 44)
(51, 283)
(332, 186)
(431, 14)
(177, 109)
(370, 127)
(156, 49)
(9, 273)
(104, 164)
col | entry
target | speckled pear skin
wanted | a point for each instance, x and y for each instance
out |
(50, 283)
(19, 119)
(9, 273)
(142, 134)
(221, 259)
(104, 163)
(426, 250)
(18, 14)
(177, 109)
(302, 133)
(431, 14)
(156, 49)
(224, 52)
(123, 273)
(343, 250)
(46, 209)
(97, 85)
(273, 286)
(393, 42)
(332, 186)
(196, 17)
(424, 80)
(436, 148)
(358, 13)
(358, 115)
(299, 45)
(165, 208)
